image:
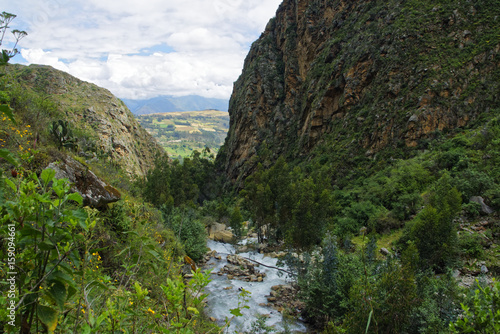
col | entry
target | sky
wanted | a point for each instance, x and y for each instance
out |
(140, 49)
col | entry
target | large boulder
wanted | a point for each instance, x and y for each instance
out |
(219, 232)
(484, 207)
(95, 192)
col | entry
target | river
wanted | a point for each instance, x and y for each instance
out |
(224, 294)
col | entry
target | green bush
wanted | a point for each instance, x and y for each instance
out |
(384, 301)
(438, 298)
(471, 182)
(359, 214)
(325, 285)
(189, 230)
(433, 230)
(481, 312)
(470, 246)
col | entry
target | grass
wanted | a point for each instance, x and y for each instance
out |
(383, 241)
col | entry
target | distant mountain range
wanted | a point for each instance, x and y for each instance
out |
(163, 104)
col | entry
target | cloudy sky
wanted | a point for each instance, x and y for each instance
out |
(142, 48)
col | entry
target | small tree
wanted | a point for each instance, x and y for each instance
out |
(433, 230)
(6, 55)
(5, 20)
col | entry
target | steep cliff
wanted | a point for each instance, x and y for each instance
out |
(367, 75)
(93, 113)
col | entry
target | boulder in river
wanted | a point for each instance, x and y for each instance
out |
(219, 232)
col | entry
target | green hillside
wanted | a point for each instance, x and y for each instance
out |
(181, 133)
(363, 151)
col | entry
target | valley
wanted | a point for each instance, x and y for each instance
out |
(180, 133)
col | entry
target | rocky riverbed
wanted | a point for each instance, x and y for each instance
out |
(271, 294)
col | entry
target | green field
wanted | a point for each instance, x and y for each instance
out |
(180, 133)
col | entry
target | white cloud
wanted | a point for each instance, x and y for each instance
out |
(201, 44)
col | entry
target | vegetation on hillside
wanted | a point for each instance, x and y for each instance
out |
(423, 204)
(66, 268)
(81, 270)
(181, 133)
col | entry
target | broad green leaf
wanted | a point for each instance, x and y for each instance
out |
(101, 318)
(75, 197)
(7, 155)
(28, 230)
(58, 293)
(46, 245)
(236, 312)
(86, 329)
(63, 277)
(47, 175)
(71, 291)
(48, 316)
(155, 255)
(123, 251)
(8, 112)
(81, 215)
(11, 184)
(194, 310)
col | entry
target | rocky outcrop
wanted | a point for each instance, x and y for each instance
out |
(219, 232)
(98, 115)
(485, 209)
(95, 192)
(365, 75)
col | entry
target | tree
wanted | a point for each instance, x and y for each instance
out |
(433, 230)
(5, 20)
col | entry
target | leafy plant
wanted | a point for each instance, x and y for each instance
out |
(482, 313)
(63, 134)
(45, 232)
(5, 20)
(6, 55)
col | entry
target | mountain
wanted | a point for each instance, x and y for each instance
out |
(100, 121)
(164, 104)
(364, 79)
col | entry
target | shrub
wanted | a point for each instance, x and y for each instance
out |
(433, 231)
(325, 285)
(481, 313)
(189, 230)
(470, 246)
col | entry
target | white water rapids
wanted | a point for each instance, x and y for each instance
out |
(223, 293)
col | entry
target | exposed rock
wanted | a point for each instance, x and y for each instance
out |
(222, 236)
(219, 232)
(243, 269)
(95, 192)
(284, 298)
(353, 70)
(95, 111)
(484, 208)
(384, 251)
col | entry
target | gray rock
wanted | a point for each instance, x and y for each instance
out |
(384, 251)
(95, 192)
(484, 208)
(413, 118)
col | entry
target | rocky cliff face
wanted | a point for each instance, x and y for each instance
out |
(98, 114)
(372, 74)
